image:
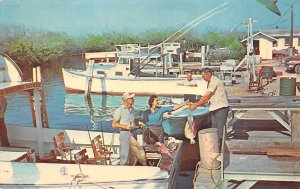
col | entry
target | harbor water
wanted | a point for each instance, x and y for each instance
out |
(66, 110)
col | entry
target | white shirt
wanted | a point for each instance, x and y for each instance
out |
(219, 98)
(188, 83)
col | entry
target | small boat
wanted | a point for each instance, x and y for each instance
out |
(175, 123)
(137, 73)
(29, 162)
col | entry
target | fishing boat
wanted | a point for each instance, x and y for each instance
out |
(29, 162)
(141, 72)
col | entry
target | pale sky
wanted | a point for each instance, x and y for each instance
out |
(82, 17)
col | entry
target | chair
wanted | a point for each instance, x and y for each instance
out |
(81, 157)
(61, 149)
(101, 154)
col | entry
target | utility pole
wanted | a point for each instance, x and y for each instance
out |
(292, 30)
(250, 51)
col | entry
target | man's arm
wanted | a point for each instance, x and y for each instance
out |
(117, 124)
(202, 101)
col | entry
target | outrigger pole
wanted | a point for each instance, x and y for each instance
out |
(184, 29)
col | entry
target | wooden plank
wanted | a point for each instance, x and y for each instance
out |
(258, 147)
(295, 122)
(260, 167)
(294, 152)
(250, 105)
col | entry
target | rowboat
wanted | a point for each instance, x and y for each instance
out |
(29, 162)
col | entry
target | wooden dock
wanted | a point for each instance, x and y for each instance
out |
(248, 162)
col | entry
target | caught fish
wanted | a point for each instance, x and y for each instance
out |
(190, 130)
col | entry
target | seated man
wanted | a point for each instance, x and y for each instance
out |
(189, 81)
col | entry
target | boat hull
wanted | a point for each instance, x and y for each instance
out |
(57, 175)
(175, 123)
(77, 81)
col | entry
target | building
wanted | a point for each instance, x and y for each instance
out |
(274, 42)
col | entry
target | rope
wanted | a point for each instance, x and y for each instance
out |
(211, 172)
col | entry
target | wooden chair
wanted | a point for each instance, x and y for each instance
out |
(81, 157)
(61, 149)
(101, 154)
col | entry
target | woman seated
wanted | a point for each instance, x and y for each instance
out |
(153, 118)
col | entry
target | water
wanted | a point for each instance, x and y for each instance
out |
(66, 110)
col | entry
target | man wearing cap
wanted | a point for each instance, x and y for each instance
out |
(123, 118)
(217, 99)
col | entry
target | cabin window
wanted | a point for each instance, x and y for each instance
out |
(287, 41)
(298, 41)
(101, 72)
(275, 44)
(118, 73)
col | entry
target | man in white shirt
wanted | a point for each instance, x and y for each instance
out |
(189, 81)
(216, 96)
(124, 119)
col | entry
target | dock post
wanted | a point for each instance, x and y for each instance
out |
(203, 56)
(39, 124)
(181, 63)
(295, 125)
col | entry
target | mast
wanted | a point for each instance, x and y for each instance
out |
(292, 30)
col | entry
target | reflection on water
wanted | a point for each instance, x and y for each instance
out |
(67, 110)
(102, 106)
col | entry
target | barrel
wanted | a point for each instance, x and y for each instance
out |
(209, 148)
(287, 86)
(267, 71)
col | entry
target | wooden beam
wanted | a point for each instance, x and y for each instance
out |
(257, 147)
(293, 152)
(295, 125)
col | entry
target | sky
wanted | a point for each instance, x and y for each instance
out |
(84, 17)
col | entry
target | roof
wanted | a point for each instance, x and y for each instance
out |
(259, 35)
(281, 32)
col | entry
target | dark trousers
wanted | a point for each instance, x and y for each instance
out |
(158, 134)
(218, 120)
(3, 133)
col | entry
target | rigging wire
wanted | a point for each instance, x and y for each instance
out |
(278, 21)
(186, 28)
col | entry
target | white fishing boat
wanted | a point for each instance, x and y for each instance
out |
(140, 73)
(23, 163)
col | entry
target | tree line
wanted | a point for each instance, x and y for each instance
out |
(30, 48)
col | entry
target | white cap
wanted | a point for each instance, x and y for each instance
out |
(127, 95)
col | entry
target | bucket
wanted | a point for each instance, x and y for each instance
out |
(287, 86)
(208, 144)
(267, 71)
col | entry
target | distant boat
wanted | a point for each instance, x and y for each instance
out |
(127, 75)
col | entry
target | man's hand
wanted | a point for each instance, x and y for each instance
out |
(192, 106)
(128, 127)
(141, 124)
